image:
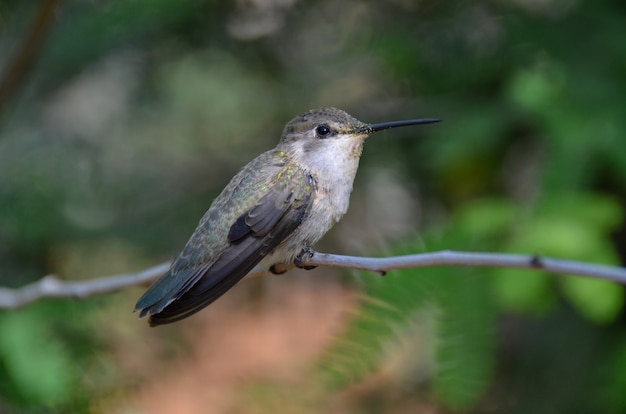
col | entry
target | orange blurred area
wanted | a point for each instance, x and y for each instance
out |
(213, 362)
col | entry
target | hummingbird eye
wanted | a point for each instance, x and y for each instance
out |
(323, 131)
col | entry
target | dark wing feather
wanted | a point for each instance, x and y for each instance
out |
(253, 235)
(262, 218)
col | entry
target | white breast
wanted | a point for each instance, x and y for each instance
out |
(334, 172)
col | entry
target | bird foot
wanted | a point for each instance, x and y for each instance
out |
(279, 268)
(307, 253)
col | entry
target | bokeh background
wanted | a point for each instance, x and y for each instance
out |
(121, 120)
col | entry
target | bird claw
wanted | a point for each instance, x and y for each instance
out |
(307, 252)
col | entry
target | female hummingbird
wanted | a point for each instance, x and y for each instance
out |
(277, 206)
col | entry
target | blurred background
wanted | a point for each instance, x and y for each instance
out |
(120, 121)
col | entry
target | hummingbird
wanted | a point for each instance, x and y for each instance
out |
(270, 213)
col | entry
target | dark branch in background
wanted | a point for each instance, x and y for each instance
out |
(24, 58)
(52, 287)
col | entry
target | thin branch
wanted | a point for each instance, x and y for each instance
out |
(25, 57)
(451, 258)
(51, 287)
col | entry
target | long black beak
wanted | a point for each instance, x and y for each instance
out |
(396, 124)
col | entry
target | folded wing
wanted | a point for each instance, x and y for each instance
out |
(190, 286)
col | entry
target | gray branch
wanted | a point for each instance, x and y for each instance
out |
(52, 287)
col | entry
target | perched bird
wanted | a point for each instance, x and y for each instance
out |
(277, 206)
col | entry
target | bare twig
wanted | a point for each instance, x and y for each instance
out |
(52, 287)
(451, 258)
(26, 55)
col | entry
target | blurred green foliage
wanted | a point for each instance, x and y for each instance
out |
(464, 304)
(135, 114)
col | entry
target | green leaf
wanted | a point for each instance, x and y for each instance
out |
(600, 301)
(388, 305)
(465, 336)
(573, 226)
(537, 88)
(36, 363)
(403, 311)
(562, 236)
(523, 290)
(597, 211)
(486, 217)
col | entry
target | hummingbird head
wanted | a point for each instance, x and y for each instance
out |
(329, 138)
